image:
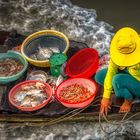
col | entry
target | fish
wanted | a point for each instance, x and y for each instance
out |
(39, 85)
(35, 103)
(26, 102)
(27, 87)
(37, 75)
(31, 95)
(20, 96)
(33, 56)
(36, 93)
(43, 53)
(55, 49)
(51, 80)
(59, 80)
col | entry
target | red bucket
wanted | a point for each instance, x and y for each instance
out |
(15, 89)
(87, 83)
(83, 64)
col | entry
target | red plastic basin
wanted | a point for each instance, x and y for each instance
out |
(83, 64)
(87, 83)
(17, 87)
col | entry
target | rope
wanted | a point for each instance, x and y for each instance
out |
(60, 119)
(64, 117)
(79, 110)
(122, 121)
(118, 123)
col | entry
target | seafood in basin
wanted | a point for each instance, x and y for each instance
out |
(10, 66)
(75, 93)
(44, 53)
(31, 95)
(38, 75)
(55, 49)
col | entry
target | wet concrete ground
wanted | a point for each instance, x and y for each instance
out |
(70, 131)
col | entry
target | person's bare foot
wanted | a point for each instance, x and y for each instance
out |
(126, 106)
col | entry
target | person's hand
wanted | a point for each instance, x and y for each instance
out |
(105, 105)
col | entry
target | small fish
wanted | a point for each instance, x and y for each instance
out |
(20, 96)
(41, 99)
(31, 95)
(36, 93)
(51, 80)
(59, 80)
(26, 88)
(38, 75)
(26, 102)
(43, 53)
(33, 56)
(39, 85)
(35, 103)
(55, 49)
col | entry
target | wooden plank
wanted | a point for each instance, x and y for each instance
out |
(40, 120)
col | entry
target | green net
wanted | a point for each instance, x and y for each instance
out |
(58, 59)
(56, 62)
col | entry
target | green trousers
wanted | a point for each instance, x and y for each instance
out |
(124, 85)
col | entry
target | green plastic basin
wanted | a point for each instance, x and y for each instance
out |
(16, 55)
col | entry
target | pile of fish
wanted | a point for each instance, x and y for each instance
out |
(38, 75)
(31, 95)
(44, 53)
(45, 77)
(75, 93)
(10, 66)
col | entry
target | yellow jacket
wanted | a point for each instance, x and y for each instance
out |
(113, 70)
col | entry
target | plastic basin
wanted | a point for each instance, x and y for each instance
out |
(14, 90)
(45, 38)
(87, 83)
(83, 64)
(16, 55)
